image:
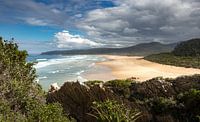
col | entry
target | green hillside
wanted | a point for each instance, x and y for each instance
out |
(185, 54)
(188, 48)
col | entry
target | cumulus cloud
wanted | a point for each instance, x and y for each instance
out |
(66, 40)
(136, 21)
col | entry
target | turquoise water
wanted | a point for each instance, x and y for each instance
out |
(60, 69)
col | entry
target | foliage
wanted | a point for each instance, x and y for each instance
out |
(120, 87)
(184, 107)
(21, 97)
(119, 83)
(185, 54)
(158, 99)
(111, 111)
(170, 59)
(161, 105)
(92, 83)
(46, 113)
(190, 104)
(188, 48)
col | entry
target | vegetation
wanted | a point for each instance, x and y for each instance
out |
(185, 54)
(157, 100)
(21, 98)
(111, 111)
(120, 87)
(188, 48)
(170, 59)
(183, 107)
(77, 99)
(94, 82)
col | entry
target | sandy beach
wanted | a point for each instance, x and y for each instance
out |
(123, 67)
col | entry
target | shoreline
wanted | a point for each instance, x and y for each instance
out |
(99, 72)
(123, 67)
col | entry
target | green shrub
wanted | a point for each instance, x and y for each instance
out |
(111, 111)
(120, 87)
(92, 83)
(190, 104)
(161, 106)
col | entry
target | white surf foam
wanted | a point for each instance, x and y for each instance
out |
(58, 61)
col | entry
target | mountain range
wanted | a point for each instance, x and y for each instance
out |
(141, 49)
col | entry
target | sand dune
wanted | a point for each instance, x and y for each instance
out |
(133, 66)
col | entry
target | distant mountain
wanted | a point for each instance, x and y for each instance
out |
(140, 49)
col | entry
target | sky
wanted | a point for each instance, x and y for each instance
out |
(44, 25)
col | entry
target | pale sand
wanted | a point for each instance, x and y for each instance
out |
(123, 67)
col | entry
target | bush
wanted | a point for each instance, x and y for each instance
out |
(190, 104)
(120, 87)
(161, 106)
(92, 83)
(111, 111)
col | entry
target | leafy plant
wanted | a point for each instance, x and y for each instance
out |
(111, 111)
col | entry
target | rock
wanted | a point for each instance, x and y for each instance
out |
(54, 87)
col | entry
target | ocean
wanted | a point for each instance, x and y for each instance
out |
(60, 69)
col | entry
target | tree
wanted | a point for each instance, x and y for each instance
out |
(21, 97)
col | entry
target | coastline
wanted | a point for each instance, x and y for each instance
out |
(123, 67)
(99, 72)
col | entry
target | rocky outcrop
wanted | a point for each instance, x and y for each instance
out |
(77, 99)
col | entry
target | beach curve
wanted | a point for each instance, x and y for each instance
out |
(123, 67)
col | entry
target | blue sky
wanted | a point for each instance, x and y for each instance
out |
(42, 25)
(36, 36)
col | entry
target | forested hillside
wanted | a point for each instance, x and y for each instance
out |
(185, 54)
(188, 48)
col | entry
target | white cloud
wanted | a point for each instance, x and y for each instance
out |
(78, 15)
(34, 21)
(136, 21)
(66, 40)
(167, 28)
(56, 11)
